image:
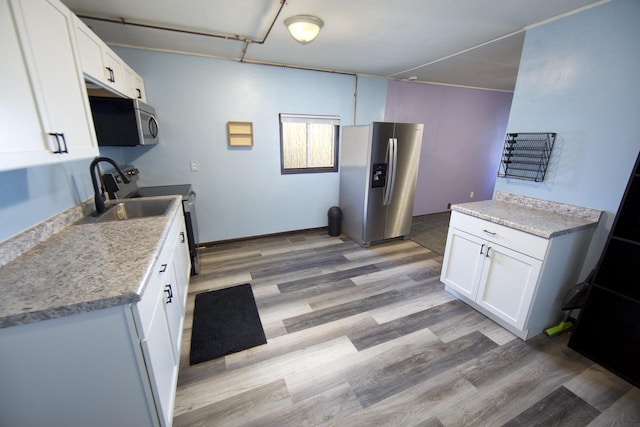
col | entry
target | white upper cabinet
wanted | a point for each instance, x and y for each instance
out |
(48, 53)
(22, 138)
(90, 51)
(113, 68)
(135, 84)
(104, 67)
(45, 111)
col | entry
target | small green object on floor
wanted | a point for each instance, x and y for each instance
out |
(559, 328)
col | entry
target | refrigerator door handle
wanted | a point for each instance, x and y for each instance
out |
(388, 159)
(395, 169)
(393, 162)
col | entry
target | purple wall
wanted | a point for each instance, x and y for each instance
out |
(464, 131)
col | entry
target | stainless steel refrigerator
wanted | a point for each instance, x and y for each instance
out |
(378, 174)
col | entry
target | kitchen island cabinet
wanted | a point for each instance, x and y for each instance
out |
(517, 278)
(103, 351)
(498, 278)
(50, 118)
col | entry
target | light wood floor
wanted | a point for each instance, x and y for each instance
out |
(369, 337)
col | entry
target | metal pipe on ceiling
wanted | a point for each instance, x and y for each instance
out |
(246, 40)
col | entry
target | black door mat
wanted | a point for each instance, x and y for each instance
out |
(225, 321)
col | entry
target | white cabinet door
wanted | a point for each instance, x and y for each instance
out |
(134, 84)
(160, 320)
(138, 88)
(90, 51)
(182, 263)
(175, 285)
(173, 310)
(462, 266)
(498, 279)
(113, 69)
(508, 281)
(45, 30)
(158, 354)
(22, 141)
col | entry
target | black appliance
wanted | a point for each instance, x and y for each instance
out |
(123, 122)
(117, 189)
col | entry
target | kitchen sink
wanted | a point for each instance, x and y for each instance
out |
(123, 210)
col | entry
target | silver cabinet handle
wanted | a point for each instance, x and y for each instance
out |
(487, 254)
(489, 232)
(481, 248)
(182, 237)
(163, 268)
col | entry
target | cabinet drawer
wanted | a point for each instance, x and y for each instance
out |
(155, 285)
(516, 240)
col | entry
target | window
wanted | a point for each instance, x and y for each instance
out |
(308, 143)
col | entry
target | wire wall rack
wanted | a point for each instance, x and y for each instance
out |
(526, 155)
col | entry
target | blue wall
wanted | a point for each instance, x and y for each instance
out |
(30, 196)
(578, 77)
(240, 190)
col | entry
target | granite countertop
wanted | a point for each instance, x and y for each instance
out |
(83, 267)
(538, 217)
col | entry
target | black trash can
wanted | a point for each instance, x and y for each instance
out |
(335, 221)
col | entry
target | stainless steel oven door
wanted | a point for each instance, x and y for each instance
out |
(189, 208)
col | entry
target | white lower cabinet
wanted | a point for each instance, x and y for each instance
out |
(513, 277)
(182, 267)
(111, 367)
(161, 318)
(159, 357)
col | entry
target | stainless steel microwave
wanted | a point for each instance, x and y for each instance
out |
(123, 122)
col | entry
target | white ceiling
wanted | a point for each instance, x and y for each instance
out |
(473, 43)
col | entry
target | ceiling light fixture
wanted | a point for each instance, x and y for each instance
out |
(304, 28)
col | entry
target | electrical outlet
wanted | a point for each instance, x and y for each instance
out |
(194, 166)
(471, 195)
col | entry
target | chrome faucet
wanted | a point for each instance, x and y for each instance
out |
(98, 195)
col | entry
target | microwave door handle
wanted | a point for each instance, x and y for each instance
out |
(153, 126)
